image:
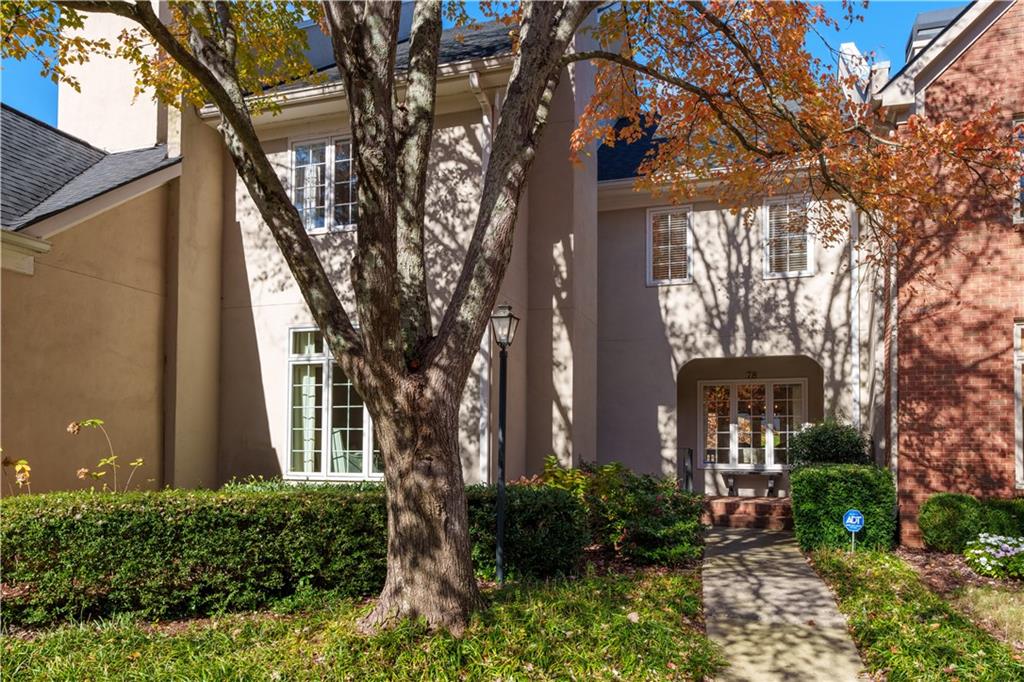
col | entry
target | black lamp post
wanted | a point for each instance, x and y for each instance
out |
(503, 326)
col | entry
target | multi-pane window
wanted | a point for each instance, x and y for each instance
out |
(1018, 201)
(669, 246)
(750, 423)
(324, 184)
(787, 238)
(330, 431)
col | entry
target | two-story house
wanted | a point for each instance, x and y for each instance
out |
(679, 340)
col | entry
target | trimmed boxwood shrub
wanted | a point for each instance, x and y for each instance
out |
(948, 521)
(183, 553)
(829, 442)
(822, 494)
(951, 521)
(1003, 517)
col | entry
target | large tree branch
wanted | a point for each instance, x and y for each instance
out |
(416, 127)
(713, 100)
(546, 31)
(364, 39)
(215, 73)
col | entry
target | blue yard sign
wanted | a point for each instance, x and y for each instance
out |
(853, 521)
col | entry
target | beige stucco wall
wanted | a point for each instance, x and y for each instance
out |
(261, 301)
(192, 390)
(647, 334)
(83, 338)
(563, 302)
(105, 110)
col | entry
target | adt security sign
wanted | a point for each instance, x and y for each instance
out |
(853, 521)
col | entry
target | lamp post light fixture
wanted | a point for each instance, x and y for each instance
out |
(503, 327)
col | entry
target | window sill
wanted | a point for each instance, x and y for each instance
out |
(333, 478)
(331, 230)
(668, 282)
(789, 275)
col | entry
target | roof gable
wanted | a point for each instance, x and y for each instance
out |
(46, 171)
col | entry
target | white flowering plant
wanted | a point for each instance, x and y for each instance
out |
(996, 556)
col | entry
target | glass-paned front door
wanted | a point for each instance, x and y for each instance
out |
(750, 423)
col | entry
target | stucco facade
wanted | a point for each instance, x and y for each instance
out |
(82, 337)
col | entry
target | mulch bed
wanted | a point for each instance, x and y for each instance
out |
(948, 575)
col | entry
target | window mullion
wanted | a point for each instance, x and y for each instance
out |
(734, 436)
(328, 393)
(769, 431)
(329, 179)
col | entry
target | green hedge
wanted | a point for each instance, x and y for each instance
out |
(181, 553)
(822, 494)
(830, 442)
(950, 521)
(644, 519)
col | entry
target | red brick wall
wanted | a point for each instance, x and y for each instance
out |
(959, 292)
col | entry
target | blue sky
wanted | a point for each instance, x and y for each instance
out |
(884, 30)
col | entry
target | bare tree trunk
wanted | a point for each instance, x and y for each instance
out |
(429, 564)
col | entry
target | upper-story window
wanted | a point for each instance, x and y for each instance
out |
(787, 238)
(669, 246)
(324, 184)
(1018, 199)
(330, 433)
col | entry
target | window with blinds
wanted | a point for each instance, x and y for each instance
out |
(668, 246)
(787, 238)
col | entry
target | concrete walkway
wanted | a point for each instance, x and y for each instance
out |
(771, 613)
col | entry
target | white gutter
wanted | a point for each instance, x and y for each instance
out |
(855, 314)
(18, 251)
(484, 378)
(894, 357)
(73, 215)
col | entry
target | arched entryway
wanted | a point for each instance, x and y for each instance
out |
(736, 415)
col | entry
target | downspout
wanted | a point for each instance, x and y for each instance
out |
(855, 314)
(484, 378)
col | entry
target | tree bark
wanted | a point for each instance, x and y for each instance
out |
(429, 565)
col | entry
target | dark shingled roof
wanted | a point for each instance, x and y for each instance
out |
(44, 171)
(622, 160)
(459, 44)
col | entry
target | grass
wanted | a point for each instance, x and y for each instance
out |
(639, 627)
(1000, 608)
(905, 630)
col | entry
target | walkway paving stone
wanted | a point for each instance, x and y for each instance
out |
(771, 613)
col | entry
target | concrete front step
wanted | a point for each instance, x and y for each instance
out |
(767, 513)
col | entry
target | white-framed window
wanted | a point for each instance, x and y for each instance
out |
(323, 183)
(788, 242)
(330, 433)
(669, 245)
(748, 423)
(1018, 197)
(1018, 398)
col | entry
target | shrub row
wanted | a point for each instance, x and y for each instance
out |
(822, 494)
(950, 521)
(644, 519)
(180, 553)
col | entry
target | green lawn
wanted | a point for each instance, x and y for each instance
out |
(637, 627)
(906, 630)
